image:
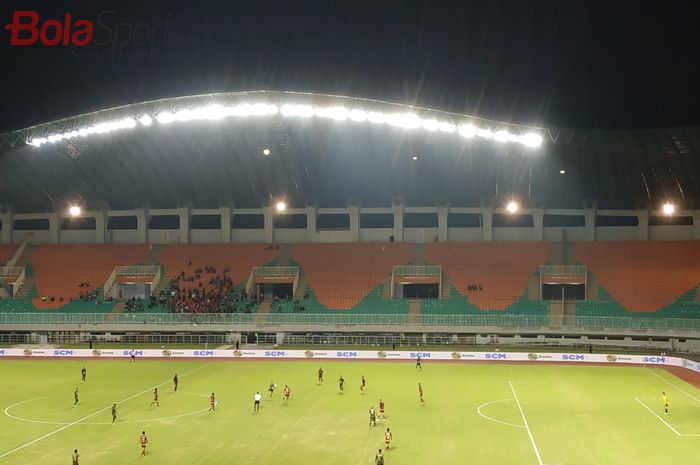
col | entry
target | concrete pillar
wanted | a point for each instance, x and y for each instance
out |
(225, 225)
(589, 221)
(269, 231)
(6, 234)
(54, 228)
(643, 220)
(487, 221)
(696, 225)
(311, 215)
(538, 224)
(184, 214)
(397, 210)
(100, 227)
(354, 223)
(442, 212)
(141, 226)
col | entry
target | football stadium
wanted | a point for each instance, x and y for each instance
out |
(280, 277)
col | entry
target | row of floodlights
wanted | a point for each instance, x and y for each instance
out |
(408, 120)
(512, 207)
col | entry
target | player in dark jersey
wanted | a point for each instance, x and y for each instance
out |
(418, 365)
(83, 374)
(132, 354)
(143, 441)
(372, 416)
(76, 457)
(114, 413)
(155, 398)
(420, 394)
(341, 383)
(75, 396)
(379, 458)
(320, 375)
(286, 393)
(271, 388)
(363, 383)
(175, 382)
(212, 402)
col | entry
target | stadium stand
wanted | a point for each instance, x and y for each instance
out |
(6, 251)
(341, 275)
(65, 272)
(493, 276)
(642, 276)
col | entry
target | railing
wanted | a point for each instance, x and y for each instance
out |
(417, 270)
(133, 270)
(275, 270)
(276, 320)
(19, 282)
(563, 270)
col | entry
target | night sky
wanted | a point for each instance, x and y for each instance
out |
(587, 64)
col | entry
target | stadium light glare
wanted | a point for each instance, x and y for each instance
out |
(467, 130)
(266, 152)
(403, 120)
(414, 157)
(668, 208)
(280, 206)
(74, 210)
(512, 207)
(562, 171)
(145, 120)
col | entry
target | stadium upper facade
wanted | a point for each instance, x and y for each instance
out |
(249, 149)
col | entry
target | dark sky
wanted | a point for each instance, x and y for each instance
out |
(607, 64)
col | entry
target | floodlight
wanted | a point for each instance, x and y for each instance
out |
(512, 207)
(74, 210)
(281, 206)
(668, 209)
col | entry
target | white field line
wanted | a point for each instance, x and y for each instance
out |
(673, 385)
(79, 420)
(527, 427)
(478, 410)
(660, 419)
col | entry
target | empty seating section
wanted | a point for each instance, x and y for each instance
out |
(493, 276)
(238, 258)
(60, 269)
(341, 275)
(643, 276)
(6, 252)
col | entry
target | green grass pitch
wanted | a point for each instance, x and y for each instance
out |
(500, 414)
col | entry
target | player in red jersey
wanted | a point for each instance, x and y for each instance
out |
(143, 440)
(155, 398)
(212, 402)
(420, 394)
(381, 410)
(387, 439)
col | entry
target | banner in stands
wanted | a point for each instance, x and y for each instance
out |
(357, 355)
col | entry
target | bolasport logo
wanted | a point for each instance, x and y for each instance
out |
(106, 35)
(28, 28)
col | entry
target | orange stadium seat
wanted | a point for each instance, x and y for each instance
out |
(341, 275)
(6, 251)
(643, 276)
(239, 258)
(501, 269)
(59, 269)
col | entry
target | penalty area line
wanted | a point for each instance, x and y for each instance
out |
(657, 416)
(673, 385)
(86, 417)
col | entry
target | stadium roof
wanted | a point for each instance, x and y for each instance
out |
(326, 150)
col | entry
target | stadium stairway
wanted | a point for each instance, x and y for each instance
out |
(556, 313)
(116, 310)
(285, 256)
(154, 255)
(419, 255)
(301, 287)
(414, 311)
(388, 283)
(263, 311)
(534, 290)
